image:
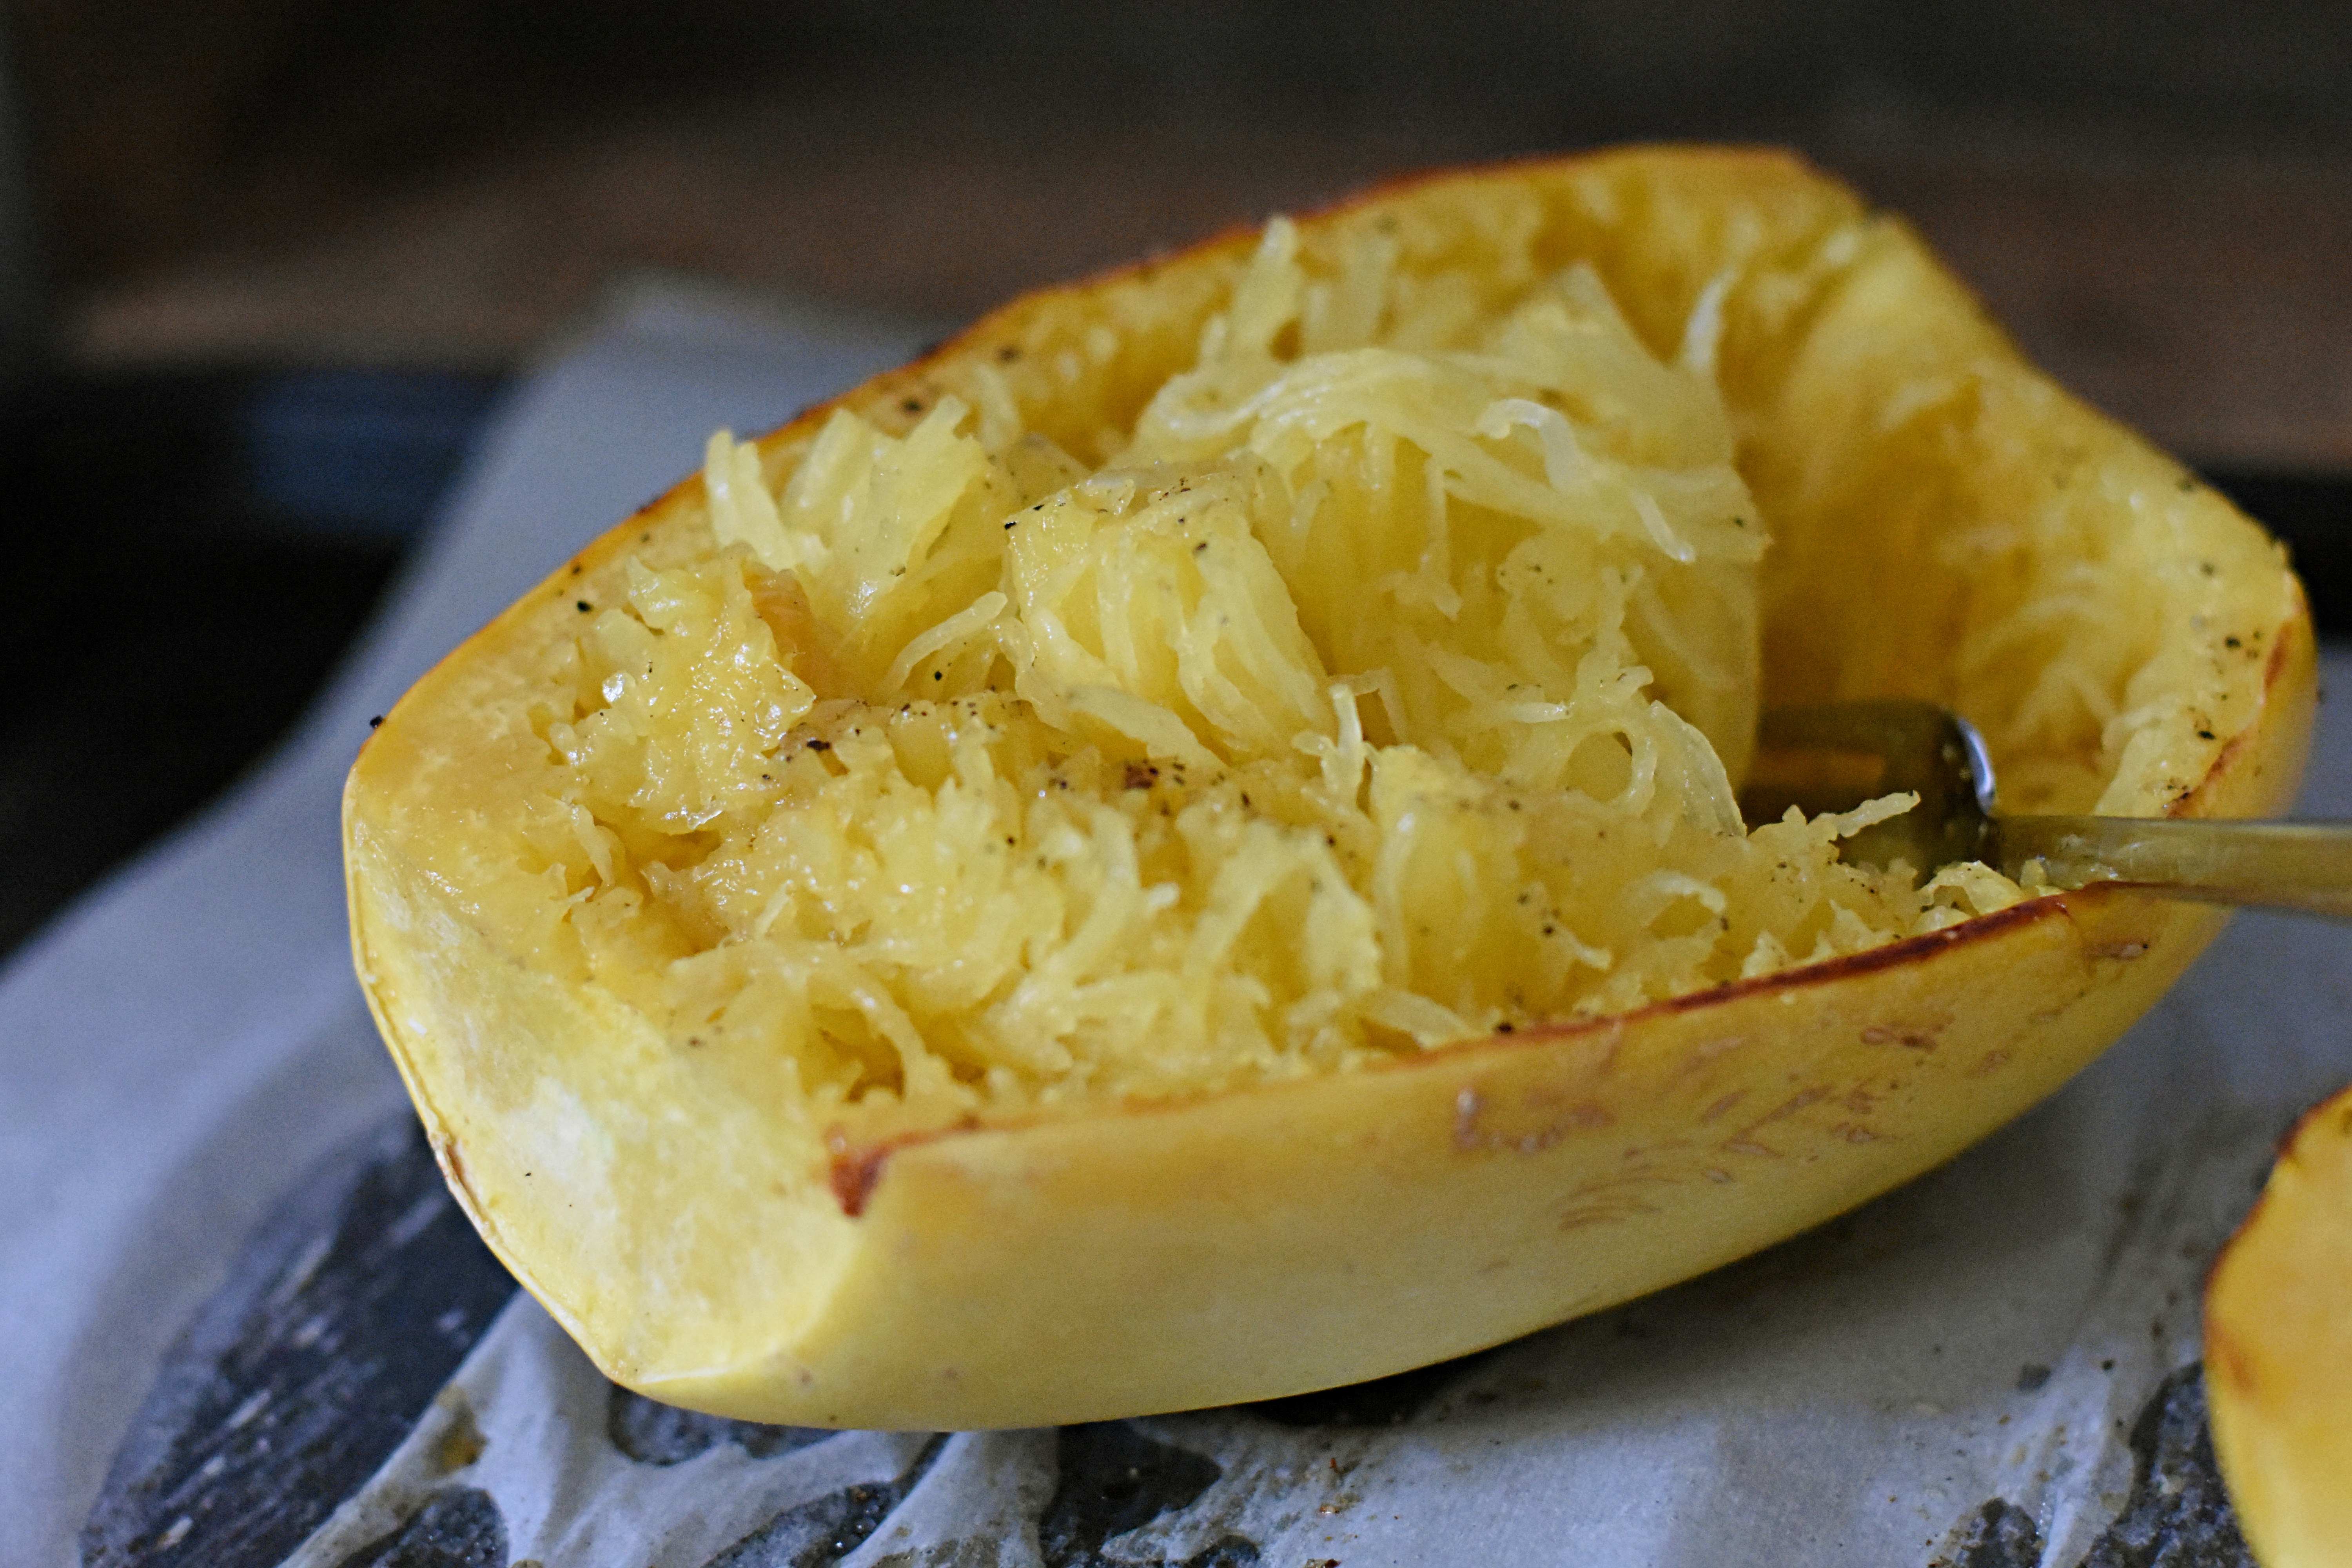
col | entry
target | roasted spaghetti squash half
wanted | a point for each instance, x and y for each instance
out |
(1182, 849)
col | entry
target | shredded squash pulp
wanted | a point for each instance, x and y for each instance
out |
(1385, 685)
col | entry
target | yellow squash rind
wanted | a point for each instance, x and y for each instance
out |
(2278, 1352)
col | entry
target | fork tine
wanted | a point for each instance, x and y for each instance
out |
(1887, 746)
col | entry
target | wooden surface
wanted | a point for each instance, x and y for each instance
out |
(2206, 299)
(2201, 289)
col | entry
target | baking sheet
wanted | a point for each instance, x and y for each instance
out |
(1994, 1364)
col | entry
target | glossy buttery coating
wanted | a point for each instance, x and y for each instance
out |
(713, 1251)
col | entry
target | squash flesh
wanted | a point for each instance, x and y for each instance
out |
(1385, 687)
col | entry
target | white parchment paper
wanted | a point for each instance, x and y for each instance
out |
(188, 1039)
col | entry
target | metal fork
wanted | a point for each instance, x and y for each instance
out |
(1834, 756)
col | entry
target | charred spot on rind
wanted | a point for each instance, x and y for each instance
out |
(2225, 1357)
(1909, 1036)
(853, 1173)
(452, 1161)
(856, 1168)
(2295, 630)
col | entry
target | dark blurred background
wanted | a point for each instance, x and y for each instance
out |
(268, 263)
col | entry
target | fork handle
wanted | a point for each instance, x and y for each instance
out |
(2301, 865)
